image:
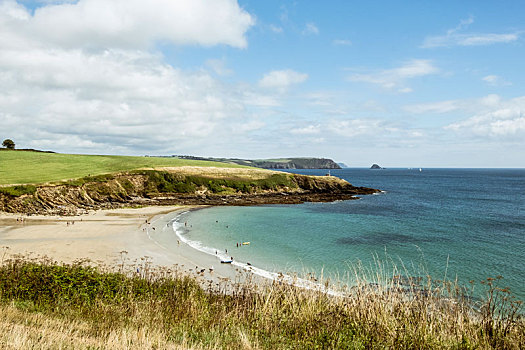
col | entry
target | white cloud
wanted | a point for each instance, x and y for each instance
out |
(491, 116)
(307, 130)
(219, 67)
(276, 29)
(454, 38)
(253, 98)
(495, 80)
(405, 90)
(282, 79)
(132, 24)
(500, 119)
(394, 79)
(249, 126)
(355, 127)
(342, 42)
(435, 107)
(79, 77)
(310, 29)
(466, 105)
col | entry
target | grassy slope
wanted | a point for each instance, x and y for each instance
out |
(35, 167)
(80, 307)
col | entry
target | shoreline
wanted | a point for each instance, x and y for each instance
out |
(260, 275)
(135, 238)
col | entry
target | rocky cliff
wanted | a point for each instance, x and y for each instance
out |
(152, 187)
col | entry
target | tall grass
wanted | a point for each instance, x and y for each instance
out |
(171, 309)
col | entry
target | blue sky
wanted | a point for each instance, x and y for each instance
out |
(413, 83)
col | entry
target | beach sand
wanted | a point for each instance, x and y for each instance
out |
(111, 237)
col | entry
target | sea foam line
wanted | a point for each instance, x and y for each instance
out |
(178, 228)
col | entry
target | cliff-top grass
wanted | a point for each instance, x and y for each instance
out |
(18, 167)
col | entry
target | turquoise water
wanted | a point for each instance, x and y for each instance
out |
(468, 223)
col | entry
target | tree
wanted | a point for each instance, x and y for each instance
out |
(8, 143)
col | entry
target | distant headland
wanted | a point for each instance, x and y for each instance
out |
(277, 163)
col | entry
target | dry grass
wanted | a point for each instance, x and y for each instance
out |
(22, 329)
(76, 306)
(220, 173)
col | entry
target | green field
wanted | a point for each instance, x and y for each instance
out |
(17, 167)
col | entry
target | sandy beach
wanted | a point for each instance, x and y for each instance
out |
(111, 237)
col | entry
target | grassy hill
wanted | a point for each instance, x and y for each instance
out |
(50, 183)
(38, 167)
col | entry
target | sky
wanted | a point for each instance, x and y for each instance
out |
(398, 83)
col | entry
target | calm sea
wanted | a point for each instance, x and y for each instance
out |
(464, 223)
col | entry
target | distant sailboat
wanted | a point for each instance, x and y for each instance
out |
(420, 169)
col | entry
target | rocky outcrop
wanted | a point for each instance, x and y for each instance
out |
(162, 188)
(375, 166)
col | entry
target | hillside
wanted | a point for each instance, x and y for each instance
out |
(278, 163)
(17, 167)
(50, 183)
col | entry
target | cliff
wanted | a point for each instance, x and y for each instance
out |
(176, 186)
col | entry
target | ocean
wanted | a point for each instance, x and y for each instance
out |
(467, 224)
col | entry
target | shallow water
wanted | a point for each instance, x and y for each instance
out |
(464, 223)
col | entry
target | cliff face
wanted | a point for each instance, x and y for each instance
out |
(164, 187)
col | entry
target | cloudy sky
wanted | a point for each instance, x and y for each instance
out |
(411, 83)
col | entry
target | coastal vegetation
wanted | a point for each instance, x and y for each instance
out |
(50, 183)
(46, 304)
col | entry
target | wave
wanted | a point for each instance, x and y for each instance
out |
(180, 230)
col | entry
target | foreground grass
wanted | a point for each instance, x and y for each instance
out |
(76, 306)
(18, 167)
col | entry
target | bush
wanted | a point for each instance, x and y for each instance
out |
(169, 303)
(17, 191)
